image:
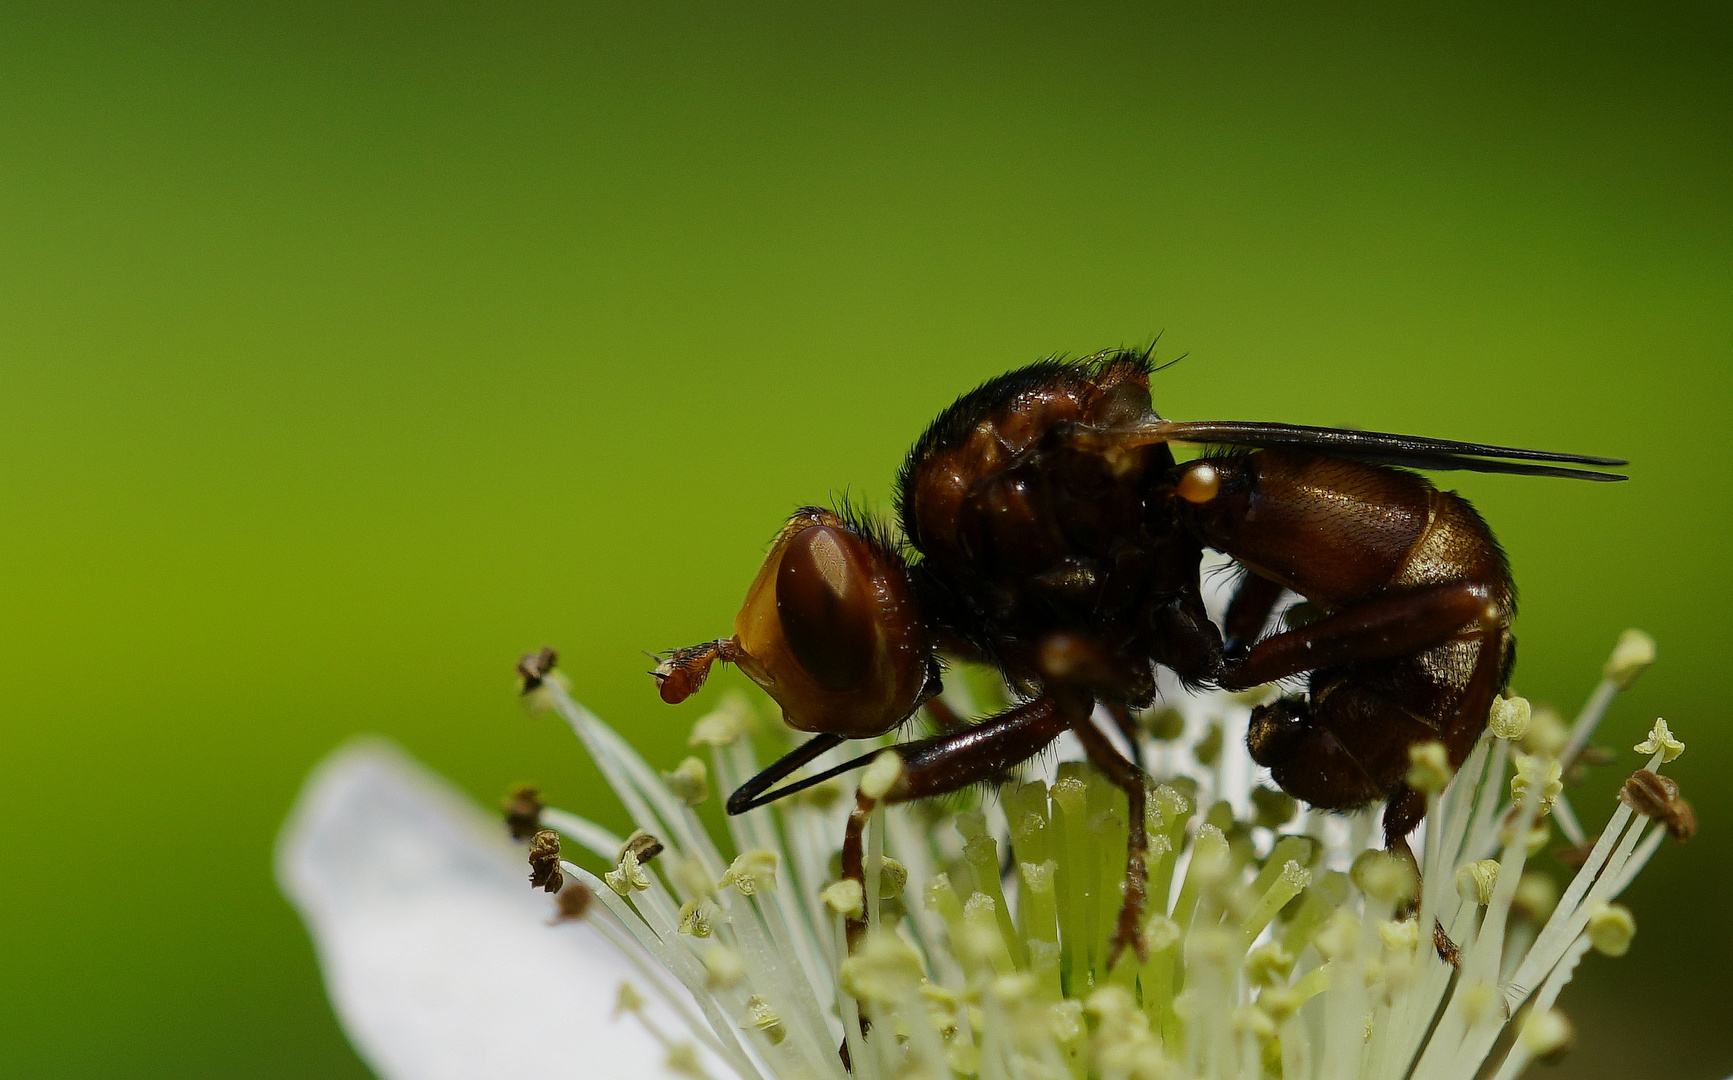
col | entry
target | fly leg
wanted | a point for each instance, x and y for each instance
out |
(1297, 741)
(950, 762)
(1129, 778)
(1461, 726)
(1397, 624)
(1391, 626)
(1127, 725)
(1248, 613)
(937, 765)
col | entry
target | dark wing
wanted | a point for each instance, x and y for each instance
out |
(1407, 451)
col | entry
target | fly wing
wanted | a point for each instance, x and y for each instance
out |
(1384, 448)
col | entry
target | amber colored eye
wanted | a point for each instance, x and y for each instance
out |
(831, 630)
(823, 597)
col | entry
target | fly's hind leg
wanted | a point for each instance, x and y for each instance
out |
(1306, 758)
(1298, 741)
(1248, 613)
(1460, 728)
(1387, 627)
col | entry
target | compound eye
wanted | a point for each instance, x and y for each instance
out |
(831, 630)
(824, 598)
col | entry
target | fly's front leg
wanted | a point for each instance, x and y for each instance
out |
(950, 762)
(940, 765)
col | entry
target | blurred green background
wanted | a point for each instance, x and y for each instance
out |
(348, 351)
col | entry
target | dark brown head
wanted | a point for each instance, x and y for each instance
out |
(829, 628)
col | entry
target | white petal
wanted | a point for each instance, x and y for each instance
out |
(437, 954)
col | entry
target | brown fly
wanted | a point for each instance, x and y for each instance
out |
(1047, 530)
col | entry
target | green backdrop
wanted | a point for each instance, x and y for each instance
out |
(347, 351)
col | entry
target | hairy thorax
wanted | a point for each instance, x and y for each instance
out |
(1026, 532)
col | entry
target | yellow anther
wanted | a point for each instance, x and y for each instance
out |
(723, 967)
(1631, 656)
(690, 781)
(1611, 927)
(696, 916)
(1661, 741)
(1475, 881)
(1383, 876)
(628, 876)
(1546, 1032)
(720, 726)
(881, 775)
(764, 1019)
(751, 872)
(1510, 717)
(1537, 774)
(884, 970)
(845, 897)
(1428, 767)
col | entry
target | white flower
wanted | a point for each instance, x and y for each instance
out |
(1271, 943)
(438, 956)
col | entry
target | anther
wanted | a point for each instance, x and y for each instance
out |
(696, 918)
(533, 668)
(523, 811)
(642, 846)
(724, 967)
(545, 861)
(1509, 718)
(1383, 876)
(1661, 741)
(720, 726)
(1428, 767)
(1208, 748)
(751, 872)
(1476, 880)
(574, 900)
(1536, 896)
(628, 1001)
(1657, 797)
(1547, 734)
(844, 898)
(1539, 774)
(689, 781)
(628, 876)
(764, 1019)
(882, 775)
(1274, 808)
(1164, 725)
(1631, 656)
(1610, 929)
(1547, 1035)
(1400, 936)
